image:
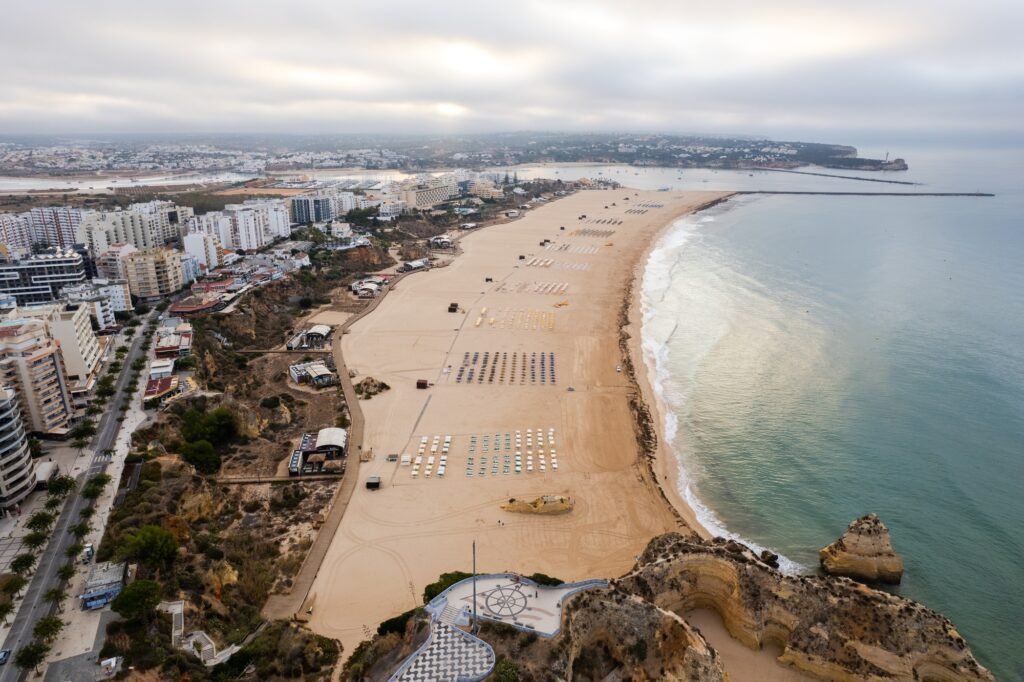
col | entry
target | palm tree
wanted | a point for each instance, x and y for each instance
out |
(6, 609)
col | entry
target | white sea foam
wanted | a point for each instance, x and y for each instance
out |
(659, 321)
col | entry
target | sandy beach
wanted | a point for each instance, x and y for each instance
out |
(570, 415)
(394, 541)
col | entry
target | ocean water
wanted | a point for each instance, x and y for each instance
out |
(823, 357)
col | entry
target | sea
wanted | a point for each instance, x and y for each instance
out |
(821, 357)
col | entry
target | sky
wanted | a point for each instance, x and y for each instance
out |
(790, 69)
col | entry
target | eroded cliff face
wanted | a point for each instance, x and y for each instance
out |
(612, 634)
(832, 628)
(864, 552)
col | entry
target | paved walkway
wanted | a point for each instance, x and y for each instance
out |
(450, 654)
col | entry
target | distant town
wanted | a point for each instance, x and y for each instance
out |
(261, 154)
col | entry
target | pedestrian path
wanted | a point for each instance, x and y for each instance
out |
(452, 655)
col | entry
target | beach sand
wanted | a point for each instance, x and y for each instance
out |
(394, 541)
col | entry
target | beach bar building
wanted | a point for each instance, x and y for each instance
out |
(322, 452)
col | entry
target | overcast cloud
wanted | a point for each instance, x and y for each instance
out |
(790, 68)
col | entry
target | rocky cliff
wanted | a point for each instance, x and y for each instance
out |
(864, 552)
(831, 628)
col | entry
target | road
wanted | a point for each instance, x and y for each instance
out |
(33, 606)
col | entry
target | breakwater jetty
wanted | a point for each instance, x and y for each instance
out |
(866, 194)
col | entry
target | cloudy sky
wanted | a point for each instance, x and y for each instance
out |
(929, 69)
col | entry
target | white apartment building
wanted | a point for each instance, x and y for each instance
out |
(117, 291)
(95, 300)
(274, 214)
(205, 248)
(215, 224)
(99, 230)
(390, 209)
(55, 225)
(16, 233)
(168, 220)
(247, 229)
(344, 202)
(69, 325)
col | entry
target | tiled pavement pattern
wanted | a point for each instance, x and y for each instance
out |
(451, 655)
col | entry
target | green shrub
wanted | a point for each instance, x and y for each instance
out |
(445, 581)
(398, 623)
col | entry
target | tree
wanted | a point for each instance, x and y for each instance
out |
(93, 488)
(6, 609)
(74, 550)
(14, 584)
(80, 530)
(47, 628)
(41, 520)
(36, 539)
(23, 563)
(152, 545)
(202, 456)
(83, 430)
(31, 655)
(35, 447)
(60, 486)
(137, 600)
(53, 503)
(67, 571)
(54, 595)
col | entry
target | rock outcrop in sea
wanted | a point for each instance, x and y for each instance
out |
(828, 627)
(864, 552)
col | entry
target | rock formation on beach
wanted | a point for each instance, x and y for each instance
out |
(827, 627)
(864, 552)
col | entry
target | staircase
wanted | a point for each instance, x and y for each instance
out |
(450, 615)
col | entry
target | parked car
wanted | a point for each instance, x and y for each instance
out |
(5, 655)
